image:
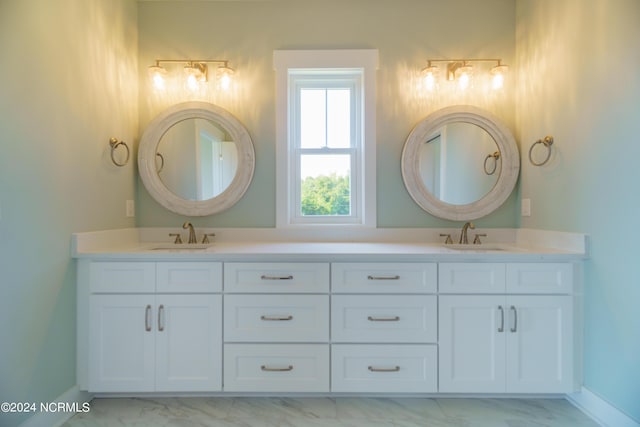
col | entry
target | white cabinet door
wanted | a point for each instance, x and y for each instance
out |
(472, 344)
(517, 344)
(539, 344)
(188, 343)
(121, 343)
(142, 343)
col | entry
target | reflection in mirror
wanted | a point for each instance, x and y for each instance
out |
(196, 159)
(199, 159)
(460, 163)
(452, 163)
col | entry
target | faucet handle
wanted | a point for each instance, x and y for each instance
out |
(205, 238)
(476, 240)
(178, 240)
(448, 240)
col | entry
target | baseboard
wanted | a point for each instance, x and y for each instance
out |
(600, 410)
(71, 402)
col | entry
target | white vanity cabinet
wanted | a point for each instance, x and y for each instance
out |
(276, 327)
(506, 327)
(384, 327)
(242, 325)
(154, 327)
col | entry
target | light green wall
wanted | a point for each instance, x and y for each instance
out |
(578, 64)
(406, 33)
(68, 82)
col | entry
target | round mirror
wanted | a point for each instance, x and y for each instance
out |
(196, 159)
(460, 163)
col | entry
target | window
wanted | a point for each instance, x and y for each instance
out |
(326, 137)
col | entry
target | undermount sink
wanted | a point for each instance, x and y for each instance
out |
(181, 246)
(476, 247)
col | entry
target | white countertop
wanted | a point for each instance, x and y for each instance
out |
(146, 244)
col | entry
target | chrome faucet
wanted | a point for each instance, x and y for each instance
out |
(192, 232)
(463, 234)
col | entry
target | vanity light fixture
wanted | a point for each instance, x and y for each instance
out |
(461, 70)
(196, 72)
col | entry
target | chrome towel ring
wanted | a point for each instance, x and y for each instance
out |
(495, 156)
(114, 143)
(547, 142)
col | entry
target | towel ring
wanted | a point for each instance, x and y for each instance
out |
(114, 143)
(547, 142)
(495, 156)
(161, 162)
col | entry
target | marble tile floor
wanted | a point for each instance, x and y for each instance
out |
(330, 412)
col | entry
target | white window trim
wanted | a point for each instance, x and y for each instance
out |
(364, 59)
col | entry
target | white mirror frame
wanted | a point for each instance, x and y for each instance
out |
(507, 146)
(147, 159)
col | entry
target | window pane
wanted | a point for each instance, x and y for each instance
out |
(313, 118)
(339, 118)
(325, 186)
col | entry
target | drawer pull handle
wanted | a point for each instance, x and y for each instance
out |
(515, 319)
(276, 318)
(147, 318)
(396, 277)
(270, 369)
(383, 319)
(374, 369)
(161, 318)
(265, 277)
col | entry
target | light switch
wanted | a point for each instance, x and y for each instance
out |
(130, 209)
(525, 208)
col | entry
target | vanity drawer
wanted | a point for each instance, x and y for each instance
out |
(276, 367)
(384, 368)
(122, 277)
(384, 277)
(186, 277)
(276, 277)
(471, 278)
(384, 318)
(276, 318)
(540, 278)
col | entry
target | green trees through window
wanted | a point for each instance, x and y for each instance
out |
(326, 195)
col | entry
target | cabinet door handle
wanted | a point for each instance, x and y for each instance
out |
(396, 277)
(270, 369)
(374, 369)
(383, 319)
(147, 318)
(501, 328)
(161, 318)
(265, 277)
(276, 318)
(515, 319)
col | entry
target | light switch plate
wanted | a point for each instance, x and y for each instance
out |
(525, 208)
(130, 209)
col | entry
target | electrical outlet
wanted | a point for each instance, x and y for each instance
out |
(130, 209)
(525, 208)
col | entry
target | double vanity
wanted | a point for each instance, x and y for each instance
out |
(353, 310)
(394, 316)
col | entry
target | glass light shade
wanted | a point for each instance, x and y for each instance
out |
(464, 74)
(224, 75)
(157, 75)
(497, 79)
(429, 77)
